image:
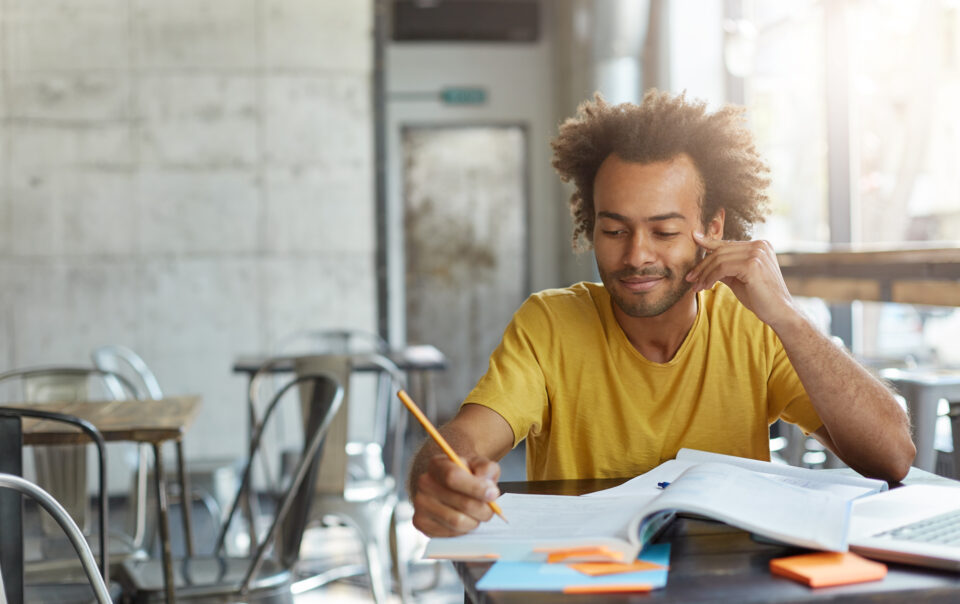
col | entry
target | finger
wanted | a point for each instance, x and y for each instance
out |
(455, 478)
(727, 251)
(436, 520)
(438, 507)
(707, 243)
(484, 468)
(731, 262)
(478, 509)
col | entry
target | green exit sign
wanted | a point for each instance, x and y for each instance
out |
(463, 96)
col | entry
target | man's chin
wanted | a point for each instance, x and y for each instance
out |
(649, 307)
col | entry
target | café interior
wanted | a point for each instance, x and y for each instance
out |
(207, 209)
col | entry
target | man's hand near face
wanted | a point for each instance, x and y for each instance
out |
(751, 270)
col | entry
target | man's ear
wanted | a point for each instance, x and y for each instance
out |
(714, 228)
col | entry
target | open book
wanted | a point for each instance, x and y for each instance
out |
(802, 507)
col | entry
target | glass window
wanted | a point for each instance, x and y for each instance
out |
(786, 106)
(904, 88)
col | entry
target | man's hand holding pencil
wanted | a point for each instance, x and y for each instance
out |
(452, 496)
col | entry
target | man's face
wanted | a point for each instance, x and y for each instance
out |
(646, 215)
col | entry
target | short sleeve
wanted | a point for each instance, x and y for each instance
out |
(787, 399)
(514, 385)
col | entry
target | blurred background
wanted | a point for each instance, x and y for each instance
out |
(196, 179)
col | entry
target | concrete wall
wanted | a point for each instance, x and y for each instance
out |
(190, 178)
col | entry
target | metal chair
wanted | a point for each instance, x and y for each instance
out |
(98, 583)
(353, 485)
(60, 590)
(62, 469)
(256, 578)
(116, 360)
(367, 453)
(121, 362)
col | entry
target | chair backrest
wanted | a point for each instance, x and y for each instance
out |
(371, 390)
(324, 401)
(361, 442)
(339, 455)
(68, 382)
(120, 360)
(25, 487)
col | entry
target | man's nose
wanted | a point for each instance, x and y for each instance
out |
(639, 251)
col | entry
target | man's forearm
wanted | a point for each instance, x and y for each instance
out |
(868, 428)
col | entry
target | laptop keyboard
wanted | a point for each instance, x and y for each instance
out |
(943, 529)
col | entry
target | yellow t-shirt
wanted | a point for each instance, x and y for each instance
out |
(566, 378)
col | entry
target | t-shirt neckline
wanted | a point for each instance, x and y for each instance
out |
(624, 341)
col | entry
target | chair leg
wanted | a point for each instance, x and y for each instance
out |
(376, 570)
(400, 575)
(372, 522)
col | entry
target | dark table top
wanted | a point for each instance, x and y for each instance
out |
(713, 562)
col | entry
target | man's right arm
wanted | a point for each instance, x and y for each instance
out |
(447, 500)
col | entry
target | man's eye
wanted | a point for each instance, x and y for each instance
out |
(614, 233)
(665, 235)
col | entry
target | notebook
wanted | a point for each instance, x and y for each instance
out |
(800, 510)
(915, 524)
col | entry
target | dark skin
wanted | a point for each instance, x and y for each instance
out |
(654, 252)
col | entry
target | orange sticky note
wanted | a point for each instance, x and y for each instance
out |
(467, 557)
(597, 569)
(581, 553)
(608, 589)
(823, 569)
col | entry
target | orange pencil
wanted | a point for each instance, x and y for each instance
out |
(440, 440)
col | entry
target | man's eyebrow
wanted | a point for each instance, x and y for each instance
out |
(612, 215)
(667, 216)
(657, 218)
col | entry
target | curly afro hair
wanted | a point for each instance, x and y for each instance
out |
(733, 175)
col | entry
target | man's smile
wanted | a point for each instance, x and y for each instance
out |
(642, 284)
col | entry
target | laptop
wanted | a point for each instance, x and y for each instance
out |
(914, 524)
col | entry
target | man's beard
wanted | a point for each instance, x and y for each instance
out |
(640, 305)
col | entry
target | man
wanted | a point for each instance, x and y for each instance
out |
(692, 340)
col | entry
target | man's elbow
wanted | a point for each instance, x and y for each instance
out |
(896, 464)
(901, 466)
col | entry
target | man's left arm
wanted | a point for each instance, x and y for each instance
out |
(862, 421)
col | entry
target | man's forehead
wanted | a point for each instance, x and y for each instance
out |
(638, 193)
(678, 174)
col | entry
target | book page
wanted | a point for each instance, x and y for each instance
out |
(551, 516)
(544, 521)
(848, 486)
(756, 503)
(645, 485)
